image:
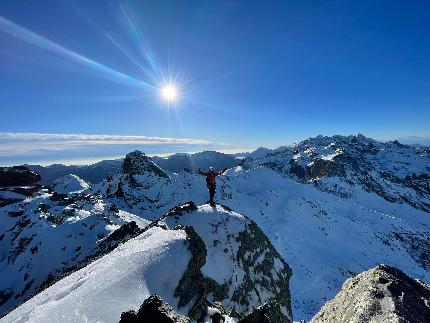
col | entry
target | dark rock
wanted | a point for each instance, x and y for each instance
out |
(321, 168)
(5, 295)
(254, 241)
(137, 163)
(18, 176)
(267, 313)
(153, 309)
(193, 285)
(178, 210)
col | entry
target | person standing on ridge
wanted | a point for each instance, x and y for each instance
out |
(211, 182)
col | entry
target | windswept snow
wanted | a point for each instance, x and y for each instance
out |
(151, 263)
(69, 184)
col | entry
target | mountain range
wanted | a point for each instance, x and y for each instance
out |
(291, 225)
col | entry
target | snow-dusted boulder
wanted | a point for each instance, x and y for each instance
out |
(381, 294)
(69, 184)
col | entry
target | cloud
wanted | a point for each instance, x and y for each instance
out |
(21, 144)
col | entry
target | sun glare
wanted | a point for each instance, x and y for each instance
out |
(169, 93)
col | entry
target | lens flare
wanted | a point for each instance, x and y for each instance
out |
(39, 41)
(169, 93)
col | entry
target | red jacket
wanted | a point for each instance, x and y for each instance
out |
(211, 176)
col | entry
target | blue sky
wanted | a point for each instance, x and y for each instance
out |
(249, 74)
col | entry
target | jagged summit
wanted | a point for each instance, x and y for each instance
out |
(337, 164)
(381, 294)
(137, 163)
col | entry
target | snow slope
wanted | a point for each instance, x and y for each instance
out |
(46, 236)
(113, 284)
(327, 239)
(69, 184)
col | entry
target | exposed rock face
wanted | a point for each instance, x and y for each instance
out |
(153, 309)
(141, 188)
(17, 183)
(233, 263)
(18, 176)
(381, 294)
(137, 163)
(267, 313)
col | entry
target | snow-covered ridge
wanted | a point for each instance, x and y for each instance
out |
(398, 173)
(113, 284)
(49, 235)
(217, 256)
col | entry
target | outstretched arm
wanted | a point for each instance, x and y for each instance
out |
(202, 173)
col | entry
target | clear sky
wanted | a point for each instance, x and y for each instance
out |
(248, 74)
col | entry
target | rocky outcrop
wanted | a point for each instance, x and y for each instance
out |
(137, 163)
(17, 183)
(381, 294)
(267, 313)
(18, 176)
(233, 263)
(153, 309)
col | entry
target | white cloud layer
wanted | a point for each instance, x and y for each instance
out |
(19, 144)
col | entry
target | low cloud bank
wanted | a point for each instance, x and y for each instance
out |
(17, 147)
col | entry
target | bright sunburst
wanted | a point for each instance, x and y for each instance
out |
(169, 93)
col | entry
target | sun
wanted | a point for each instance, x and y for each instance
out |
(169, 93)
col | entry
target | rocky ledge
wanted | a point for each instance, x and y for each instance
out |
(381, 294)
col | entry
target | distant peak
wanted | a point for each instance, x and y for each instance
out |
(137, 163)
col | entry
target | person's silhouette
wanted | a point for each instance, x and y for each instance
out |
(211, 182)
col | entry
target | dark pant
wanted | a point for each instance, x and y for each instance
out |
(212, 189)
